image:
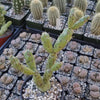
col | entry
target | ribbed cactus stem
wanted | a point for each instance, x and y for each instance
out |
(53, 13)
(98, 7)
(81, 4)
(4, 28)
(36, 9)
(44, 2)
(18, 6)
(95, 26)
(2, 13)
(61, 4)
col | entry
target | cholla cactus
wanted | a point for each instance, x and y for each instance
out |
(36, 9)
(18, 6)
(61, 4)
(44, 2)
(98, 7)
(2, 13)
(95, 26)
(78, 13)
(4, 28)
(27, 2)
(43, 83)
(53, 13)
(81, 4)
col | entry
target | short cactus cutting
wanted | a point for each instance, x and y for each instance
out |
(43, 82)
(3, 26)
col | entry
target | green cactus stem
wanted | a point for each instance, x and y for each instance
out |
(81, 4)
(98, 7)
(53, 13)
(36, 9)
(2, 13)
(43, 82)
(18, 6)
(44, 2)
(95, 26)
(61, 4)
(4, 28)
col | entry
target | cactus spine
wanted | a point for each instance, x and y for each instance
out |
(53, 13)
(98, 7)
(43, 83)
(44, 2)
(95, 26)
(27, 2)
(2, 13)
(36, 9)
(61, 4)
(81, 4)
(18, 6)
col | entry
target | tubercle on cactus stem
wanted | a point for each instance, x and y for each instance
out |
(43, 83)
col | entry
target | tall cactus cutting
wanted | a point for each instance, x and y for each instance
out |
(43, 83)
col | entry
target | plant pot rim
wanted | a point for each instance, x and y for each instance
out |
(30, 77)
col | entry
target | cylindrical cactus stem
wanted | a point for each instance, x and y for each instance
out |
(53, 13)
(95, 26)
(98, 7)
(36, 9)
(63, 39)
(4, 28)
(30, 61)
(20, 67)
(78, 13)
(80, 22)
(51, 60)
(18, 6)
(47, 42)
(61, 4)
(48, 73)
(44, 2)
(81, 4)
(2, 13)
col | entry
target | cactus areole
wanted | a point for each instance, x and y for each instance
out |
(43, 82)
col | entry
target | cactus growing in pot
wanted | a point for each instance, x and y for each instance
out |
(36, 9)
(18, 6)
(81, 4)
(43, 83)
(61, 4)
(95, 26)
(44, 2)
(98, 7)
(2, 13)
(3, 26)
(53, 13)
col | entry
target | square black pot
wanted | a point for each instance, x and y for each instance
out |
(17, 22)
(36, 24)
